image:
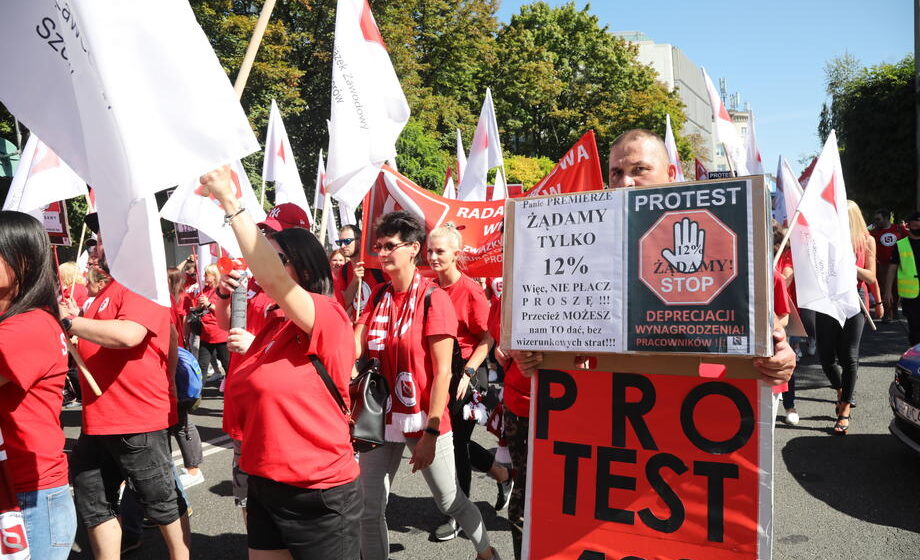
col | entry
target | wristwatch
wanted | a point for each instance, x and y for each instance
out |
(66, 323)
(469, 372)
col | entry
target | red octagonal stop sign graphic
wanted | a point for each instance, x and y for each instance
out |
(688, 257)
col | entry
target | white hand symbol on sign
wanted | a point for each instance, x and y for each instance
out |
(689, 240)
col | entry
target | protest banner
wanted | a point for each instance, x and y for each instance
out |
(674, 467)
(672, 269)
(54, 218)
(579, 169)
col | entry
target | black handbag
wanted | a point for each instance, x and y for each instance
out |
(368, 392)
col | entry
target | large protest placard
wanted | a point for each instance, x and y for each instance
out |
(675, 269)
(642, 467)
(54, 218)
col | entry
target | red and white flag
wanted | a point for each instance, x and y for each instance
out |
(500, 186)
(279, 165)
(671, 146)
(725, 130)
(806, 175)
(369, 109)
(450, 191)
(822, 252)
(701, 173)
(319, 191)
(41, 179)
(480, 222)
(579, 169)
(752, 152)
(461, 157)
(788, 193)
(485, 153)
(131, 109)
(185, 206)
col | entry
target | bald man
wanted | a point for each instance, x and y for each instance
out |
(638, 157)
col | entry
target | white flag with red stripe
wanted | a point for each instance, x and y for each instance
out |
(752, 152)
(671, 146)
(185, 206)
(485, 153)
(369, 109)
(42, 178)
(725, 129)
(461, 157)
(822, 252)
(279, 165)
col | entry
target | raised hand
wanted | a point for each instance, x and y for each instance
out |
(689, 241)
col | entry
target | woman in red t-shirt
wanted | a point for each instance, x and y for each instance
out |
(296, 445)
(409, 324)
(473, 344)
(213, 343)
(33, 365)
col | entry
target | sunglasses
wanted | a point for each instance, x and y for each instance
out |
(388, 247)
(344, 242)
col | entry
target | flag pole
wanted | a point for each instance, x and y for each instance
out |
(324, 220)
(728, 158)
(862, 304)
(253, 48)
(782, 244)
(262, 195)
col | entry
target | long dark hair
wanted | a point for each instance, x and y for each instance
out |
(307, 257)
(24, 246)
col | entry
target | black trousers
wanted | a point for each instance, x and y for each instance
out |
(911, 309)
(838, 351)
(209, 352)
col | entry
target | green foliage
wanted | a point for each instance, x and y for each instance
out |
(872, 110)
(420, 158)
(527, 170)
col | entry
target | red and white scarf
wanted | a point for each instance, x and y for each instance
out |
(391, 335)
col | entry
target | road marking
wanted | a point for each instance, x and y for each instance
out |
(209, 447)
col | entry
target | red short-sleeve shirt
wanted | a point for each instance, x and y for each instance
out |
(210, 330)
(134, 381)
(33, 358)
(886, 239)
(442, 321)
(517, 387)
(293, 431)
(780, 296)
(472, 309)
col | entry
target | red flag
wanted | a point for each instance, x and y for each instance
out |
(578, 170)
(701, 173)
(480, 223)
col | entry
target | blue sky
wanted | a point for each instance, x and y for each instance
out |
(773, 53)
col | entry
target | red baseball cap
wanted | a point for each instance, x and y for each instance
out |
(285, 216)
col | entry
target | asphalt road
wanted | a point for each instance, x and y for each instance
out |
(856, 496)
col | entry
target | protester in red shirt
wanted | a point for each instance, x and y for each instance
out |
(212, 346)
(125, 340)
(33, 365)
(261, 311)
(886, 236)
(472, 348)
(73, 284)
(336, 261)
(296, 447)
(352, 274)
(409, 324)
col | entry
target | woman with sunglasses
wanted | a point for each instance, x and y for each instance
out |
(472, 348)
(409, 324)
(33, 366)
(303, 499)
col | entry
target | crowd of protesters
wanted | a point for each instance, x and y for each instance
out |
(312, 318)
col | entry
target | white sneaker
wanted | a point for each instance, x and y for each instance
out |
(187, 480)
(812, 347)
(792, 417)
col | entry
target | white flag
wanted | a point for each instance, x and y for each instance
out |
(725, 130)
(788, 193)
(822, 252)
(671, 146)
(485, 153)
(319, 191)
(42, 178)
(131, 109)
(450, 191)
(500, 188)
(185, 206)
(332, 231)
(346, 215)
(279, 165)
(751, 151)
(461, 157)
(369, 109)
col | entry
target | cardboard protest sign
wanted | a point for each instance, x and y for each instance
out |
(671, 467)
(54, 218)
(675, 269)
(690, 276)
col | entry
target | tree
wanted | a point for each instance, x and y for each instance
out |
(561, 73)
(420, 158)
(872, 110)
(527, 170)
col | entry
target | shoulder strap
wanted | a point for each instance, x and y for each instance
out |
(428, 292)
(379, 295)
(324, 375)
(377, 274)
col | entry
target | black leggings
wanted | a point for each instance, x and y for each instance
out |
(208, 352)
(838, 349)
(468, 454)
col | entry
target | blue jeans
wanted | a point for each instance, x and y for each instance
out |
(51, 521)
